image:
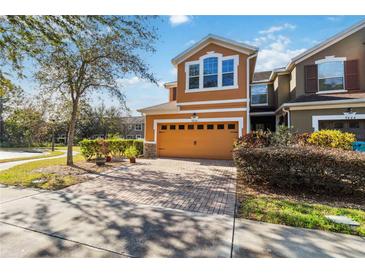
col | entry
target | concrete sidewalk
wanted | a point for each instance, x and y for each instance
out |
(257, 239)
(60, 224)
(113, 226)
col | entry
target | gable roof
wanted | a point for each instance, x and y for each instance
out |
(262, 76)
(211, 38)
(161, 108)
(327, 43)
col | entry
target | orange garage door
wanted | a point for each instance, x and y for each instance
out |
(197, 140)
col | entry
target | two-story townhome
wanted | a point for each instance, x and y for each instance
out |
(322, 88)
(217, 96)
(208, 104)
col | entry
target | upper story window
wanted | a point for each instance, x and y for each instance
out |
(228, 72)
(194, 76)
(259, 95)
(331, 74)
(212, 72)
(138, 127)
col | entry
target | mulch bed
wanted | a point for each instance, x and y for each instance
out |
(85, 169)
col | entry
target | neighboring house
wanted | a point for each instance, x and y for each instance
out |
(207, 106)
(322, 88)
(132, 127)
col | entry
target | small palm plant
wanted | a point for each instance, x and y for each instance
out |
(131, 153)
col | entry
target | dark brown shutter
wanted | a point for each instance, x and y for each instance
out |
(174, 94)
(311, 78)
(352, 79)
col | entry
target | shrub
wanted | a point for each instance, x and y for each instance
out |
(333, 139)
(283, 136)
(139, 146)
(115, 146)
(102, 148)
(88, 148)
(131, 152)
(254, 139)
(301, 139)
(307, 169)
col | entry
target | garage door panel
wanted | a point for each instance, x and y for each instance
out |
(192, 142)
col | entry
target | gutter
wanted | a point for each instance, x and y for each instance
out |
(316, 103)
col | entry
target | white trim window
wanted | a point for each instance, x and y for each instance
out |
(212, 72)
(228, 72)
(193, 78)
(138, 127)
(259, 95)
(138, 137)
(130, 137)
(331, 74)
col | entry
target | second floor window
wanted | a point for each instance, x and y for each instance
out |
(228, 72)
(210, 72)
(259, 95)
(194, 76)
(138, 127)
(331, 76)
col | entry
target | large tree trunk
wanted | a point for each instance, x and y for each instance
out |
(71, 132)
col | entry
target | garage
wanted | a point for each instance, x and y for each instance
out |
(197, 140)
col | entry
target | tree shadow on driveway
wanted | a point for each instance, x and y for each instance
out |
(120, 227)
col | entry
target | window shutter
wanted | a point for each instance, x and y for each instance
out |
(352, 79)
(311, 78)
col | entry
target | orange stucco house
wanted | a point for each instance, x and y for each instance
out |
(207, 108)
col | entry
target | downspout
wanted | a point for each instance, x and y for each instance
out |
(248, 120)
(287, 111)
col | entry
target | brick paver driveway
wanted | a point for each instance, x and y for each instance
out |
(206, 186)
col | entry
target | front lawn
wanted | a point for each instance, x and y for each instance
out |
(26, 174)
(299, 214)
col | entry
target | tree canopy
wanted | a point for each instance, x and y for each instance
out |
(95, 63)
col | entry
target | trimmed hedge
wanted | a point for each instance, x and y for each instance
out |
(305, 168)
(116, 147)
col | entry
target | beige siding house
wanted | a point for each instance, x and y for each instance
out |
(324, 87)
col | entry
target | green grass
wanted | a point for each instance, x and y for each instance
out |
(300, 214)
(51, 154)
(24, 174)
(75, 148)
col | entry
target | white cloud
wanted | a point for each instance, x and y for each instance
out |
(189, 43)
(179, 19)
(129, 81)
(173, 71)
(278, 28)
(137, 82)
(334, 18)
(274, 47)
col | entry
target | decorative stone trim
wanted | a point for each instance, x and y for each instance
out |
(149, 150)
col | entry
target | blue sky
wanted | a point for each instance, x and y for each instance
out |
(278, 37)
